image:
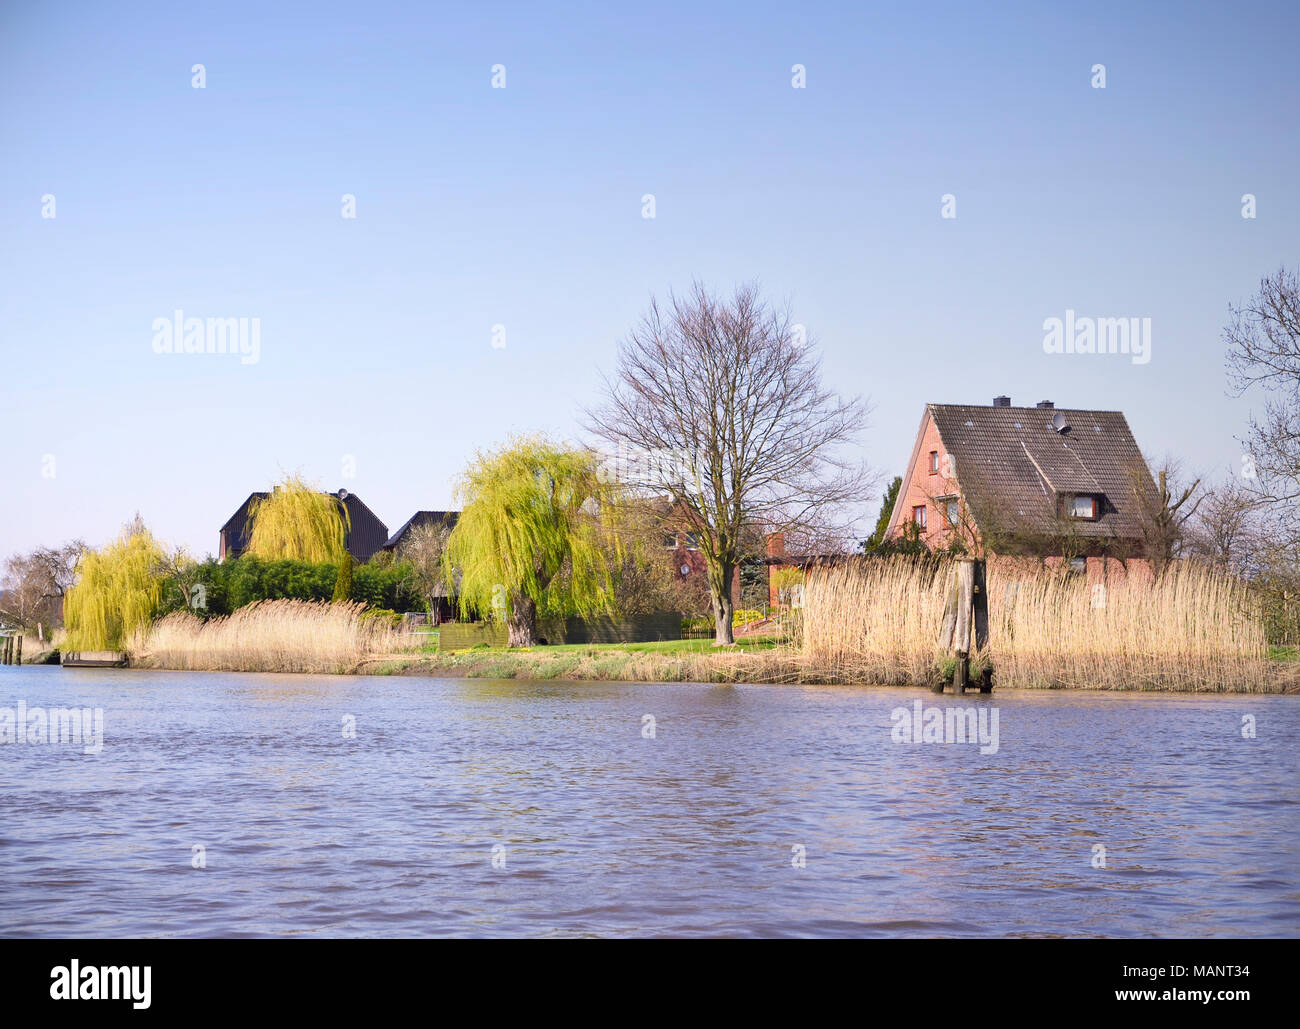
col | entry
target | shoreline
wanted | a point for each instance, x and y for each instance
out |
(753, 663)
(1283, 679)
(772, 667)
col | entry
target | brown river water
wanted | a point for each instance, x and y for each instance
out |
(273, 805)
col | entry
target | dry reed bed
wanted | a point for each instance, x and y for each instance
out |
(267, 636)
(872, 622)
(1190, 629)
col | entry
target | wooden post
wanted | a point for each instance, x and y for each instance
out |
(965, 626)
(981, 613)
(20, 651)
(950, 605)
(949, 624)
(961, 636)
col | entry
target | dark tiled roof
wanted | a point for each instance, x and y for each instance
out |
(418, 519)
(364, 539)
(1012, 465)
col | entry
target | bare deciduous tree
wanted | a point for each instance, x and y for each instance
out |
(717, 404)
(422, 550)
(33, 585)
(1227, 531)
(1263, 344)
(1162, 516)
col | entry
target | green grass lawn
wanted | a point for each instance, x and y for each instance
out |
(1284, 653)
(657, 647)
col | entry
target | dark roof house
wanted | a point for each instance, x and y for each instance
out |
(364, 538)
(421, 518)
(1032, 475)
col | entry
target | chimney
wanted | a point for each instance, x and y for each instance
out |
(776, 544)
(1045, 404)
(1001, 401)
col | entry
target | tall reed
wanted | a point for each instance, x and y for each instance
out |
(1192, 628)
(268, 636)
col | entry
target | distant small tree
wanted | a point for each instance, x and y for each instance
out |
(1164, 513)
(1263, 351)
(343, 584)
(877, 537)
(182, 573)
(532, 534)
(422, 552)
(297, 521)
(1228, 531)
(32, 586)
(908, 542)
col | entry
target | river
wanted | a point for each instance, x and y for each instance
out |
(275, 805)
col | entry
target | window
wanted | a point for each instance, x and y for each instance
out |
(918, 516)
(952, 512)
(934, 462)
(1083, 507)
(1078, 565)
(670, 541)
(692, 541)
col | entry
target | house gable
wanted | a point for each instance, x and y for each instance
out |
(447, 518)
(365, 536)
(1018, 471)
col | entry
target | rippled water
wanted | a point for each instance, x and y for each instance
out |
(306, 832)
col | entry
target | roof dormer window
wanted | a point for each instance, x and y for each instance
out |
(1081, 506)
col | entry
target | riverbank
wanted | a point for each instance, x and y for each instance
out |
(1190, 631)
(772, 665)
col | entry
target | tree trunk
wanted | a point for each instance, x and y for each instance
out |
(723, 608)
(521, 626)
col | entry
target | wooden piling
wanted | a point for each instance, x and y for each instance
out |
(20, 650)
(951, 602)
(965, 627)
(961, 637)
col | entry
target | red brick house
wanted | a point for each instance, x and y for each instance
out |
(1064, 486)
(778, 559)
(688, 560)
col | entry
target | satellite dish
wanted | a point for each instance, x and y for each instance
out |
(343, 494)
(686, 569)
(1058, 422)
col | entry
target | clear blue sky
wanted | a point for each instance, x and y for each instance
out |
(522, 206)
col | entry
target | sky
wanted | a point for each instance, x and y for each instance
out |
(381, 367)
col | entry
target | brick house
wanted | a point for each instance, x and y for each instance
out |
(689, 562)
(1061, 486)
(778, 560)
(364, 538)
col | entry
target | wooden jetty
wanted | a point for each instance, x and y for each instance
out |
(11, 647)
(94, 659)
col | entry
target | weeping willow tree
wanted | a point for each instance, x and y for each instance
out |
(534, 534)
(119, 588)
(296, 521)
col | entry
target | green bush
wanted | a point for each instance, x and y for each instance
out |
(228, 585)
